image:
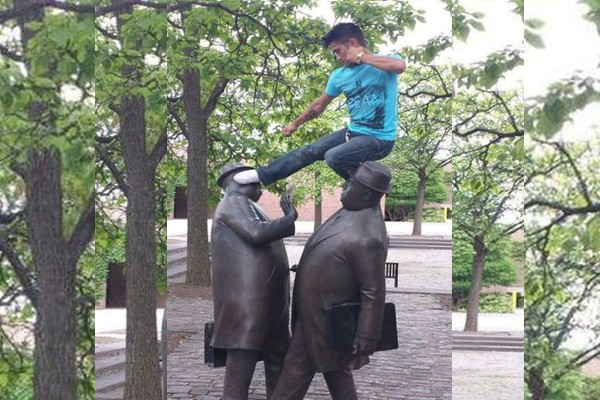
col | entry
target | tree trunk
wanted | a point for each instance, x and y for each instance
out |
(480, 249)
(164, 351)
(420, 202)
(142, 370)
(318, 214)
(537, 386)
(318, 198)
(55, 375)
(318, 203)
(54, 371)
(142, 373)
(198, 261)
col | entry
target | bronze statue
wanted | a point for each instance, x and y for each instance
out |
(343, 261)
(250, 283)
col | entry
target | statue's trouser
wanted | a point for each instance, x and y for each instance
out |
(239, 370)
(298, 373)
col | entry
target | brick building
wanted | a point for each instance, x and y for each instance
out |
(306, 212)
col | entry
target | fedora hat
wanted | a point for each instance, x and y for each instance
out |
(229, 169)
(373, 175)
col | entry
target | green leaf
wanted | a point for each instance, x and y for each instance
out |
(477, 25)
(534, 23)
(7, 99)
(43, 83)
(555, 110)
(534, 39)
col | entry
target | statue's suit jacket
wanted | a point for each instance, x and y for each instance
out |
(250, 275)
(343, 260)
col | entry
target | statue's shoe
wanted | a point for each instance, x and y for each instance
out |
(246, 177)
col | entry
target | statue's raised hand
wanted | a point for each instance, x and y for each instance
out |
(285, 202)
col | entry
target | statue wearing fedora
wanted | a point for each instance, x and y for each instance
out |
(342, 261)
(250, 283)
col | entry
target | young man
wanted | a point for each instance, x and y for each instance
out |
(370, 84)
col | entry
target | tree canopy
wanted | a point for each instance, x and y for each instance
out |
(562, 204)
(563, 264)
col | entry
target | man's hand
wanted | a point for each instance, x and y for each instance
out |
(353, 52)
(364, 346)
(287, 207)
(288, 130)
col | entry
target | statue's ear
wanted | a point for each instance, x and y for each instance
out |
(368, 195)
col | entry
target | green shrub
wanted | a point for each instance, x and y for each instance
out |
(592, 389)
(489, 303)
(517, 250)
(433, 215)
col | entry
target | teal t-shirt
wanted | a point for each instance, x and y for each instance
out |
(371, 97)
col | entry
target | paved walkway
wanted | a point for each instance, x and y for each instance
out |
(419, 369)
(478, 375)
(495, 375)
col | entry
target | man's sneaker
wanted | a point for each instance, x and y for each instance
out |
(246, 177)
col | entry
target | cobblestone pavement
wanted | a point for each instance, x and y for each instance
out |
(419, 369)
(487, 375)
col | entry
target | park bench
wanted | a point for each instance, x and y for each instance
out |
(391, 271)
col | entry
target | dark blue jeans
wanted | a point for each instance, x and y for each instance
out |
(340, 155)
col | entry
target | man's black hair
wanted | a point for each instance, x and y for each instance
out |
(344, 32)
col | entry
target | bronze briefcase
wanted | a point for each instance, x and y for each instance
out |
(343, 319)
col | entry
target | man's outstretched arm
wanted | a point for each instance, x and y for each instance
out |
(384, 63)
(315, 109)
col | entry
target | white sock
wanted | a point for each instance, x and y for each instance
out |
(246, 177)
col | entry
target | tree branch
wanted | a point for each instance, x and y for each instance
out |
(181, 5)
(116, 173)
(566, 210)
(5, 51)
(19, 168)
(582, 186)
(83, 232)
(180, 122)
(106, 139)
(61, 5)
(24, 274)
(218, 90)
(8, 218)
(107, 33)
(159, 150)
(128, 3)
(514, 228)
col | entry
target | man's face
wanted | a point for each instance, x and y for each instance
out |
(353, 195)
(252, 190)
(339, 50)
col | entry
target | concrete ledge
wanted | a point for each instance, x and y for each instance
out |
(418, 290)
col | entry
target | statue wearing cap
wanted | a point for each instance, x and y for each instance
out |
(250, 283)
(342, 261)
